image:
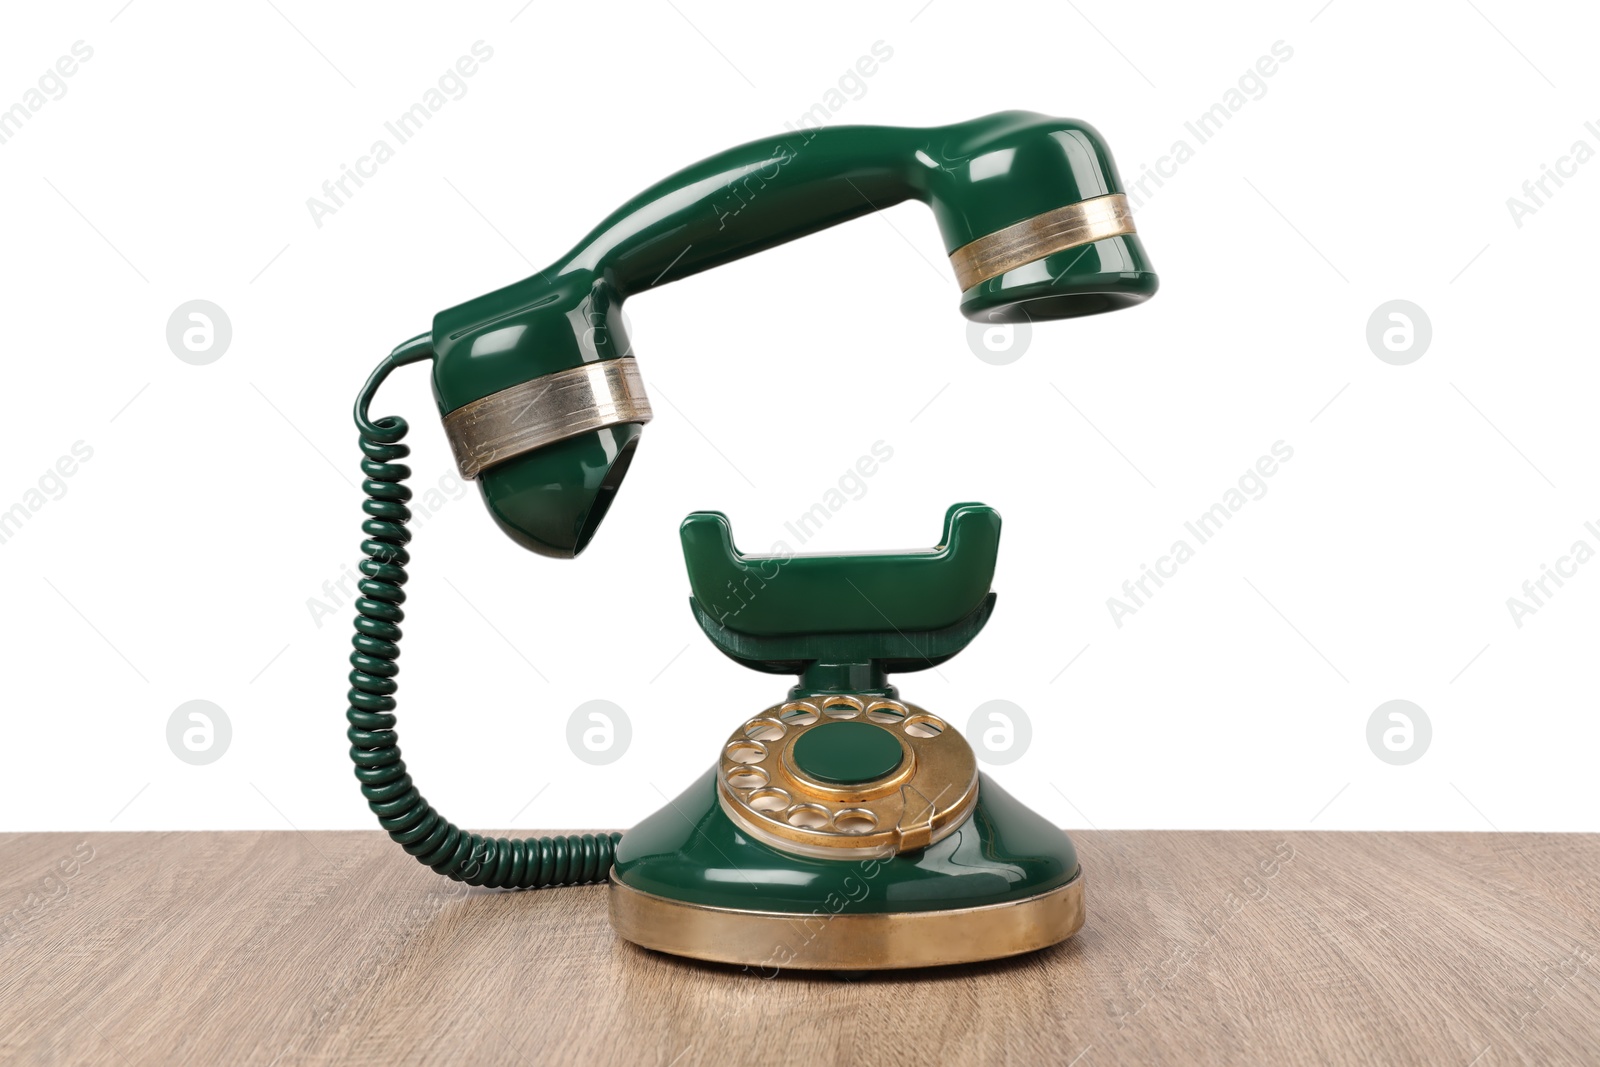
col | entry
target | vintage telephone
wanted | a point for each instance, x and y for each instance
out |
(841, 828)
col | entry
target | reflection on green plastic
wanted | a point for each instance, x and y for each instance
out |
(691, 851)
(845, 753)
(915, 590)
(977, 176)
(551, 500)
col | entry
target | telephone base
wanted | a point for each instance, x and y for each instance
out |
(847, 941)
(689, 881)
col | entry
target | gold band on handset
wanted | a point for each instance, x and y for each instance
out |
(1042, 235)
(543, 410)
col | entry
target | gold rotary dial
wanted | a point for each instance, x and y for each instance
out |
(858, 801)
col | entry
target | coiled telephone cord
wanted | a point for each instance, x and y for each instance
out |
(436, 842)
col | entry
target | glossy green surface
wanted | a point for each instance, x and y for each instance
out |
(1104, 276)
(914, 590)
(863, 677)
(844, 663)
(846, 753)
(551, 500)
(977, 177)
(691, 851)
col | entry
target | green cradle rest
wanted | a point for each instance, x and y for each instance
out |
(843, 621)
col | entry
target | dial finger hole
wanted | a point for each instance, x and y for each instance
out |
(886, 712)
(764, 730)
(746, 752)
(841, 707)
(808, 816)
(770, 800)
(855, 821)
(747, 778)
(924, 726)
(798, 713)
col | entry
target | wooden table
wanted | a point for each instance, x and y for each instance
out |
(1226, 948)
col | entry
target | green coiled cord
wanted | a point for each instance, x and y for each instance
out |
(436, 842)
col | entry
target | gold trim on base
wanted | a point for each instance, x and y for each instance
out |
(1054, 231)
(830, 940)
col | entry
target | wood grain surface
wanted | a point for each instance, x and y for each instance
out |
(1469, 950)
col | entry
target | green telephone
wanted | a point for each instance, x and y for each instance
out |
(842, 828)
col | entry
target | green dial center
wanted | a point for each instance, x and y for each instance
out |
(845, 753)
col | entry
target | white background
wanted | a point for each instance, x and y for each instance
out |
(180, 562)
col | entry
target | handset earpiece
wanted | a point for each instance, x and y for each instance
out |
(541, 398)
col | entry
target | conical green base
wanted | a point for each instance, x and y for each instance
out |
(688, 881)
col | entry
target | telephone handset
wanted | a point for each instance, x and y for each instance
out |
(842, 792)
